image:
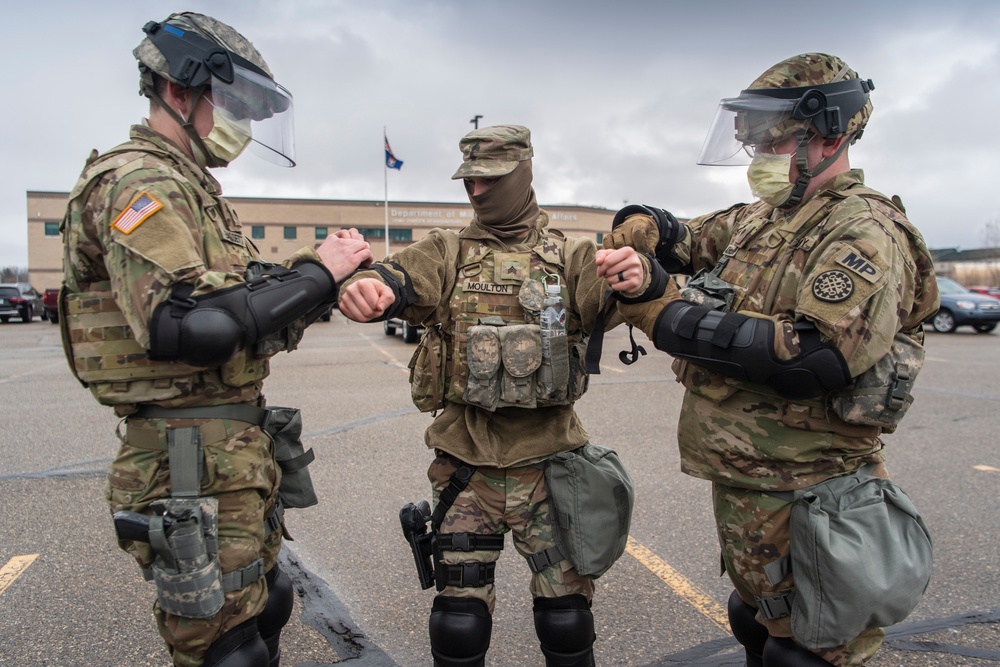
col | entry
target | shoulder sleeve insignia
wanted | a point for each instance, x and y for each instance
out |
(136, 213)
(854, 261)
(833, 286)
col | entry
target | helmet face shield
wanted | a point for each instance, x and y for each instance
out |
(263, 106)
(744, 122)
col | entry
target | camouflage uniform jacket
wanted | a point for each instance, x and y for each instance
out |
(850, 264)
(194, 237)
(508, 436)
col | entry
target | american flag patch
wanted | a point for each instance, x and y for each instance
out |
(141, 208)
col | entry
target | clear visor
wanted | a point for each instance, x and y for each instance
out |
(743, 123)
(262, 109)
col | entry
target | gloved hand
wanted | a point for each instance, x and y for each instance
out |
(643, 315)
(639, 231)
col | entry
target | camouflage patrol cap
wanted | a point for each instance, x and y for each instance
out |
(493, 151)
(795, 79)
(152, 58)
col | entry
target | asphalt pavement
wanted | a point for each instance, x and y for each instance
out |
(69, 597)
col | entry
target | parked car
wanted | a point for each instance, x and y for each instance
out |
(961, 307)
(410, 332)
(51, 301)
(988, 291)
(19, 300)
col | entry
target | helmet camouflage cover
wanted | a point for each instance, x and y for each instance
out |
(207, 27)
(807, 71)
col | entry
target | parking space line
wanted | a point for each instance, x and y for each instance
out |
(13, 569)
(693, 595)
(392, 360)
(985, 468)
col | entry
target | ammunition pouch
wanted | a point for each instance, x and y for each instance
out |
(428, 371)
(881, 395)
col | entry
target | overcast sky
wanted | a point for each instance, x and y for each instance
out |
(619, 96)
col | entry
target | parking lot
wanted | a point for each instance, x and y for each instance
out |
(69, 597)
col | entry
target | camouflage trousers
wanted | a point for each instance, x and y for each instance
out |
(754, 530)
(241, 474)
(498, 500)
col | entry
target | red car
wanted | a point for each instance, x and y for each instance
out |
(988, 291)
(51, 301)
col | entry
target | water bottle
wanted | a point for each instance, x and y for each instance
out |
(553, 318)
(554, 371)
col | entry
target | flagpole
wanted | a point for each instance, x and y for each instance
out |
(385, 174)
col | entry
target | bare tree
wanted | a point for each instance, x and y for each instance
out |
(14, 274)
(991, 242)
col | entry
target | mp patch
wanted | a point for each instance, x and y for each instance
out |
(856, 262)
(833, 286)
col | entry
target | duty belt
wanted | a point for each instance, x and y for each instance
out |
(244, 412)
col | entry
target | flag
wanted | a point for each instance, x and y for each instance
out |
(141, 208)
(390, 159)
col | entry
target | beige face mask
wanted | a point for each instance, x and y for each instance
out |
(228, 137)
(768, 177)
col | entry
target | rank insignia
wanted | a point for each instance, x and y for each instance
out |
(833, 286)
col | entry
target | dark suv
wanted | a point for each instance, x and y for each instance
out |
(19, 300)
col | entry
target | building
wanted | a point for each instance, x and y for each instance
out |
(279, 227)
(977, 266)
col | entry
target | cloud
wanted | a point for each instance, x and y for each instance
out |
(618, 96)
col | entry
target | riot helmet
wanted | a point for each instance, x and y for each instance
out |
(808, 95)
(198, 52)
(812, 93)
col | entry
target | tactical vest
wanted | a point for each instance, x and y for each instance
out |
(488, 351)
(751, 262)
(99, 344)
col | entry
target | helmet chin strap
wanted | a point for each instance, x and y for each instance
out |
(202, 154)
(802, 163)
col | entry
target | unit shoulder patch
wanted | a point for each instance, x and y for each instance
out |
(833, 286)
(136, 213)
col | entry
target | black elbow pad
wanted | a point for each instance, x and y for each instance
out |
(208, 330)
(742, 347)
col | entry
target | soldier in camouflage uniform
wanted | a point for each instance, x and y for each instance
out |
(499, 415)
(160, 323)
(798, 340)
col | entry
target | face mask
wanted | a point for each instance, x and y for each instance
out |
(228, 137)
(768, 178)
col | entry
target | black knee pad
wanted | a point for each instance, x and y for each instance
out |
(277, 611)
(783, 652)
(746, 629)
(240, 647)
(460, 630)
(565, 629)
(278, 608)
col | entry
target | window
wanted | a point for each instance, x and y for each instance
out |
(257, 232)
(600, 237)
(321, 233)
(394, 234)
(52, 229)
(291, 232)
